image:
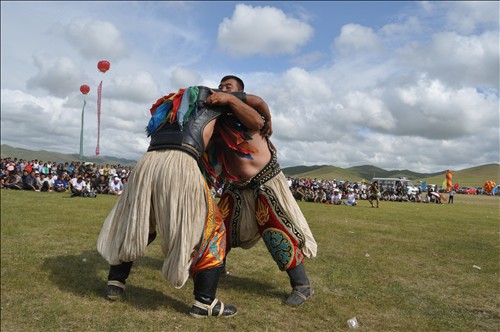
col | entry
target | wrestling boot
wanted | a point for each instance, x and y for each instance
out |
(205, 303)
(118, 275)
(301, 287)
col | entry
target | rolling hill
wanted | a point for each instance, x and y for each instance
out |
(9, 151)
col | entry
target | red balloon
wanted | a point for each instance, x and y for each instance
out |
(85, 89)
(103, 66)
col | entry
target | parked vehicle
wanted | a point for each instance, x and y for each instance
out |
(389, 183)
(470, 191)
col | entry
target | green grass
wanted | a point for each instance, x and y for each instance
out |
(402, 267)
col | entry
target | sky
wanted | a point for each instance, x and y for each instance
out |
(397, 85)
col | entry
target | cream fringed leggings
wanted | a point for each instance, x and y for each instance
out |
(166, 190)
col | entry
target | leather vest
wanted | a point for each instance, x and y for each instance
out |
(189, 138)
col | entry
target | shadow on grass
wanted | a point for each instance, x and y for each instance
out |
(250, 285)
(79, 274)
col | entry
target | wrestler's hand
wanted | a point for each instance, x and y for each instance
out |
(267, 130)
(219, 98)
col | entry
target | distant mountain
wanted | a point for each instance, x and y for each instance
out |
(9, 151)
(369, 172)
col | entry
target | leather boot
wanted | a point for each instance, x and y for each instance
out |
(118, 274)
(117, 277)
(205, 303)
(301, 286)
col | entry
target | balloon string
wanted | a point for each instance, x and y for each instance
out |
(99, 92)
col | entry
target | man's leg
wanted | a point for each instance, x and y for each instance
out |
(118, 274)
(205, 302)
(117, 277)
(301, 286)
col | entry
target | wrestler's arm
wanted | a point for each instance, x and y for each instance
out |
(262, 108)
(244, 112)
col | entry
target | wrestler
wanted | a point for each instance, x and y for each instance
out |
(167, 192)
(257, 202)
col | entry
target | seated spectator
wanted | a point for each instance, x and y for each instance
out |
(116, 186)
(77, 186)
(336, 198)
(321, 197)
(125, 181)
(351, 198)
(24, 176)
(89, 190)
(12, 181)
(53, 176)
(30, 182)
(60, 185)
(45, 183)
(299, 194)
(309, 195)
(101, 185)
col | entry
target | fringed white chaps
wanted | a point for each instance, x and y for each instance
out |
(166, 190)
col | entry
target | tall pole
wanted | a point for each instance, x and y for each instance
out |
(81, 131)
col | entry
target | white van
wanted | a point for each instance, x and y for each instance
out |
(384, 183)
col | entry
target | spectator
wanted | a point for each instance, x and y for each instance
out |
(116, 186)
(77, 186)
(89, 190)
(106, 170)
(112, 171)
(321, 197)
(336, 198)
(60, 184)
(452, 195)
(45, 183)
(24, 176)
(351, 198)
(374, 194)
(40, 167)
(12, 180)
(101, 185)
(124, 182)
(299, 194)
(30, 182)
(29, 167)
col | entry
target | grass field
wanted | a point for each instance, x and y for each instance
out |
(402, 267)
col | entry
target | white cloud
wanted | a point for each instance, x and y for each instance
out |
(184, 77)
(457, 59)
(139, 87)
(262, 30)
(94, 39)
(469, 16)
(307, 59)
(59, 76)
(356, 38)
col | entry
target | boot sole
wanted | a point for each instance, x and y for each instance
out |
(206, 316)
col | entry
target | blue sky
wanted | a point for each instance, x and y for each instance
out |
(398, 85)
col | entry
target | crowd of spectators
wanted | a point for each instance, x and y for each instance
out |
(346, 192)
(78, 178)
(90, 179)
(328, 191)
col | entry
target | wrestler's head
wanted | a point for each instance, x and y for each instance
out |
(231, 83)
